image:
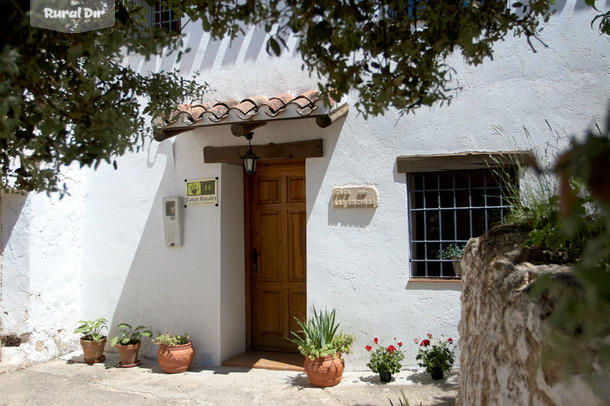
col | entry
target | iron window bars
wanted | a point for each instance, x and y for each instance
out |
(448, 208)
(162, 16)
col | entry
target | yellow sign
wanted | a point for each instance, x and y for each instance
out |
(202, 192)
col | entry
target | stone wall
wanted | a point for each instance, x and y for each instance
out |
(502, 327)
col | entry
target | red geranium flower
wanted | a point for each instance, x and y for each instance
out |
(429, 335)
(391, 349)
(368, 348)
(450, 340)
(400, 344)
(375, 340)
(425, 343)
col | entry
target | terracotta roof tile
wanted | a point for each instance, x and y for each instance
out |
(198, 109)
(301, 102)
(277, 103)
(244, 110)
(253, 109)
(312, 95)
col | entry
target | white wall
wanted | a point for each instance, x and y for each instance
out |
(358, 260)
(41, 272)
(131, 275)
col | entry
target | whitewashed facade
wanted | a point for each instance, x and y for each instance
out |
(100, 252)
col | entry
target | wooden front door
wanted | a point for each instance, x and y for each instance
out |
(276, 242)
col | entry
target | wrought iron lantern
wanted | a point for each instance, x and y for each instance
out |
(249, 158)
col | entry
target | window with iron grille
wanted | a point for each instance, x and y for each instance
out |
(162, 16)
(446, 209)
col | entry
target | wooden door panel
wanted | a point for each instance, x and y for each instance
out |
(296, 246)
(269, 264)
(277, 224)
(271, 305)
(295, 186)
(268, 190)
(298, 308)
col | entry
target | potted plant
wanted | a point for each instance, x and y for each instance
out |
(175, 352)
(92, 340)
(385, 360)
(322, 347)
(128, 342)
(454, 252)
(436, 358)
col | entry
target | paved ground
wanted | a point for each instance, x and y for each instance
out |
(68, 381)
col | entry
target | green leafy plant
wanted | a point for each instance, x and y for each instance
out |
(54, 127)
(172, 339)
(535, 206)
(433, 356)
(129, 335)
(580, 324)
(575, 220)
(452, 251)
(385, 359)
(91, 330)
(318, 336)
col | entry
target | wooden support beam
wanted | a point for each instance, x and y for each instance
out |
(239, 130)
(325, 121)
(230, 155)
(466, 160)
(162, 134)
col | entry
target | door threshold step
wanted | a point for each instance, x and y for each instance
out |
(277, 361)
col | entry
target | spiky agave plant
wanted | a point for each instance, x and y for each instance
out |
(318, 336)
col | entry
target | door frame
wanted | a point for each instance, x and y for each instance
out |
(247, 244)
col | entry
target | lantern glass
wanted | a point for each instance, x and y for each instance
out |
(249, 160)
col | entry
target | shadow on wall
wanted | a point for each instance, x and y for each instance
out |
(162, 289)
(197, 288)
(358, 218)
(317, 167)
(211, 50)
(11, 205)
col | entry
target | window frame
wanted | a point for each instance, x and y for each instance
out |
(450, 164)
(172, 24)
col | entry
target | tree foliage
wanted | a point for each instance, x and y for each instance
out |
(66, 98)
(582, 325)
(602, 19)
(572, 225)
(394, 53)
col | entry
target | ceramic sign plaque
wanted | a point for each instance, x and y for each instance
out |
(202, 192)
(357, 197)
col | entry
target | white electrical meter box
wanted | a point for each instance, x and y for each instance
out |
(172, 220)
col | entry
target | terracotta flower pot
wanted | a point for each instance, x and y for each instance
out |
(324, 371)
(93, 350)
(175, 358)
(129, 354)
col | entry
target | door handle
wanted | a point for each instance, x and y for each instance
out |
(255, 255)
